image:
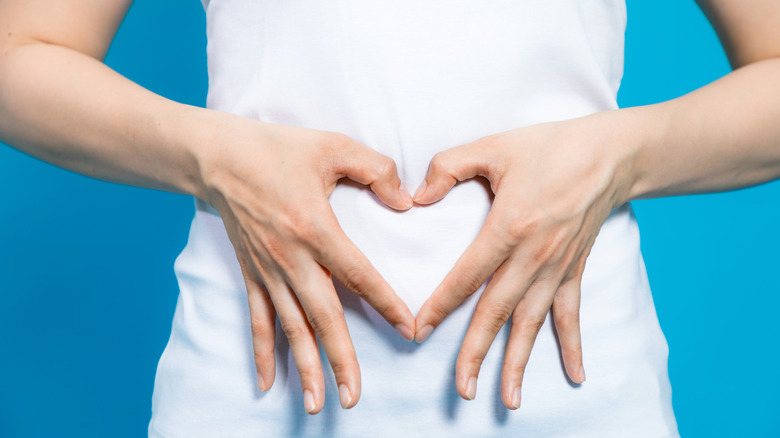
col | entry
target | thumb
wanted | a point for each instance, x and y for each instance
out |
(448, 167)
(367, 166)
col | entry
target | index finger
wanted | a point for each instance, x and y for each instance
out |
(480, 260)
(337, 253)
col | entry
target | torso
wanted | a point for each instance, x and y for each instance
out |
(411, 78)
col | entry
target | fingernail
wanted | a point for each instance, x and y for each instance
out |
(261, 383)
(582, 374)
(308, 401)
(344, 396)
(408, 202)
(471, 388)
(405, 332)
(424, 333)
(516, 398)
(420, 191)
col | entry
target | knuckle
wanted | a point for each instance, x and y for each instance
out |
(474, 361)
(573, 278)
(496, 162)
(294, 329)
(438, 163)
(520, 228)
(372, 174)
(383, 168)
(545, 253)
(567, 319)
(386, 309)
(516, 368)
(494, 316)
(530, 326)
(439, 312)
(261, 328)
(309, 232)
(275, 247)
(355, 279)
(386, 167)
(495, 230)
(556, 245)
(286, 221)
(470, 281)
(264, 356)
(300, 226)
(469, 362)
(342, 367)
(323, 321)
(572, 349)
(308, 373)
(564, 310)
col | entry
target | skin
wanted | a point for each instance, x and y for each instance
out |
(60, 103)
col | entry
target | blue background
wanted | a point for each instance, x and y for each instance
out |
(88, 291)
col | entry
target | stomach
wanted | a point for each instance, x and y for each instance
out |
(413, 250)
(205, 384)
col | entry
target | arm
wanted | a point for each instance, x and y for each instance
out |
(270, 182)
(726, 134)
(58, 102)
(556, 183)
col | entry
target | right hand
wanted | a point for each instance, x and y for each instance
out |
(271, 183)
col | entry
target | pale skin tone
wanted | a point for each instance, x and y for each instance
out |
(554, 184)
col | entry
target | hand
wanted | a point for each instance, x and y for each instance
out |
(554, 185)
(271, 184)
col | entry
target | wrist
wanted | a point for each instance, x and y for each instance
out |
(650, 125)
(636, 130)
(178, 130)
(197, 131)
(224, 148)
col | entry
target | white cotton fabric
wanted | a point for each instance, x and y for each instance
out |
(410, 78)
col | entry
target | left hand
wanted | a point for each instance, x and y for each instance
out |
(555, 184)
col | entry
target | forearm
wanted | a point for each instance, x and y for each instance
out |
(723, 136)
(71, 110)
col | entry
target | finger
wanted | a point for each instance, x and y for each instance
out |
(317, 296)
(262, 317)
(263, 323)
(367, 166)
(347, 263)
(527, 319)
(566, 314)
(494, 308)
(448, 167)
(303, 344)
(481, 259)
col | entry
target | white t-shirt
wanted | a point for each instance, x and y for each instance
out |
(410, 78)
